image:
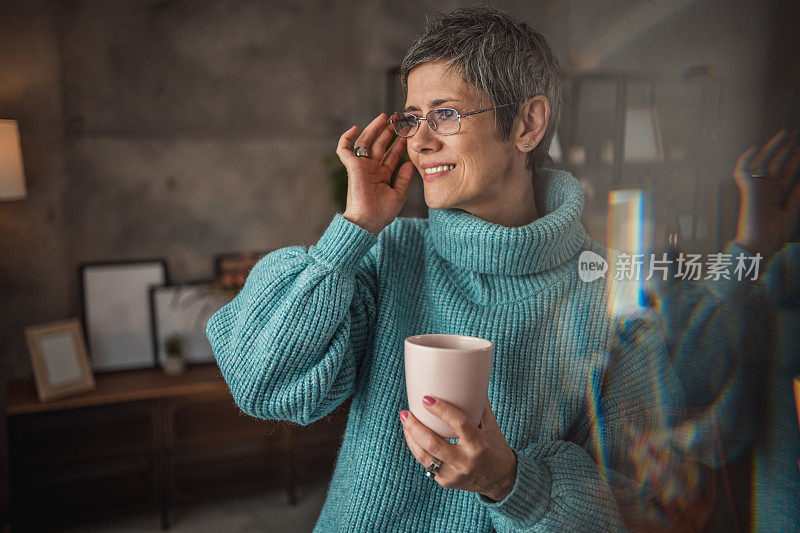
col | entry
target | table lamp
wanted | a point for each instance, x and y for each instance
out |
(12, 174)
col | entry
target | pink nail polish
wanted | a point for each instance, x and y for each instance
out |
(427, 400)
(403, 415)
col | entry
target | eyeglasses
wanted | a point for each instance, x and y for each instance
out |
(442, 121)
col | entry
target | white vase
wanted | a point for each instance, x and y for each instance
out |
(173, 365)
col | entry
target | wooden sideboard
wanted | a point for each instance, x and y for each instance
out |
(142, 440)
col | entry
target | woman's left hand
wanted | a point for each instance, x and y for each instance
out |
(770, 193)
(481, 461)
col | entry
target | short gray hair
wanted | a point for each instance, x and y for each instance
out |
(499, 54)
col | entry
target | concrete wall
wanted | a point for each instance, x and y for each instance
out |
(36, 279)
(177, 129)
(185, 129)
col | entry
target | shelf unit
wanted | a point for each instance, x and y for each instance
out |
(689, 114)
(142, 440)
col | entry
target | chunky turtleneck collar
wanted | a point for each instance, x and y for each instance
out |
(475, 244)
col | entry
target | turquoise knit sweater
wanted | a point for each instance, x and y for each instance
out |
(314, 326)
(739, 390)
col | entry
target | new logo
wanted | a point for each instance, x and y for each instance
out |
(591, 266)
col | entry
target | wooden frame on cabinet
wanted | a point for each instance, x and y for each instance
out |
(59, 359)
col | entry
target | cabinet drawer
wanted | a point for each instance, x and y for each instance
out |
(203, 422)
(80, 434)
(79, 472)
(198, 476)
(49, 497)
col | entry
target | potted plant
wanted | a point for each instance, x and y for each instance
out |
(173, 364)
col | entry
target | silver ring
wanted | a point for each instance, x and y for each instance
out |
(432, 470)
(361, 151)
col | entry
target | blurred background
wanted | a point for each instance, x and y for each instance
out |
(187, 130)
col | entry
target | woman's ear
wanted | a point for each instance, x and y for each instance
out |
(531, 123)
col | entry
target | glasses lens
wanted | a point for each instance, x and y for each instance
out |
(443, 121)
(405, 124)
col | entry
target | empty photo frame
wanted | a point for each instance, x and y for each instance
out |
(183, 311)
(59, 359)
(116, 310)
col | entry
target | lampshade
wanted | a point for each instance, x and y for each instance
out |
(12, 174)
(642, 135)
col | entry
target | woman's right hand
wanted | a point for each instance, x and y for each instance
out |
(372, 202)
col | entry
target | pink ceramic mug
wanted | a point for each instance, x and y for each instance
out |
(454, 368)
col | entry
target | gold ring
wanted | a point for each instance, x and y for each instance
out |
(433, 469)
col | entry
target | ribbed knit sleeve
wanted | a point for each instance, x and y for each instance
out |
(716, 344)
(721, 332)
(289, 345)
(734, 285)
(557, 488)
(781, 280)
(587, 483)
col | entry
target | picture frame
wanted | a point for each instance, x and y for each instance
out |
(59, 359)
(116, 312)
(231, 269)
(184, 311)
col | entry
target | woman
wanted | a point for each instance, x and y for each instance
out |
(497, 258)
(739, 392)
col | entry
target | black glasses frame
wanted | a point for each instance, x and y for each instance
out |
(418, 119)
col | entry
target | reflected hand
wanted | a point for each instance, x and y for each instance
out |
(481, 461)
(663, 463)
(372, 202)
(770, 204)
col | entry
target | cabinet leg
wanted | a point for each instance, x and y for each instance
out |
(166, 490)
(289, 467)
(164, 466)
(164, 517)
(291, 494)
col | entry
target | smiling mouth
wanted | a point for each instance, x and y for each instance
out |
(441, 168)
(434, 172)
